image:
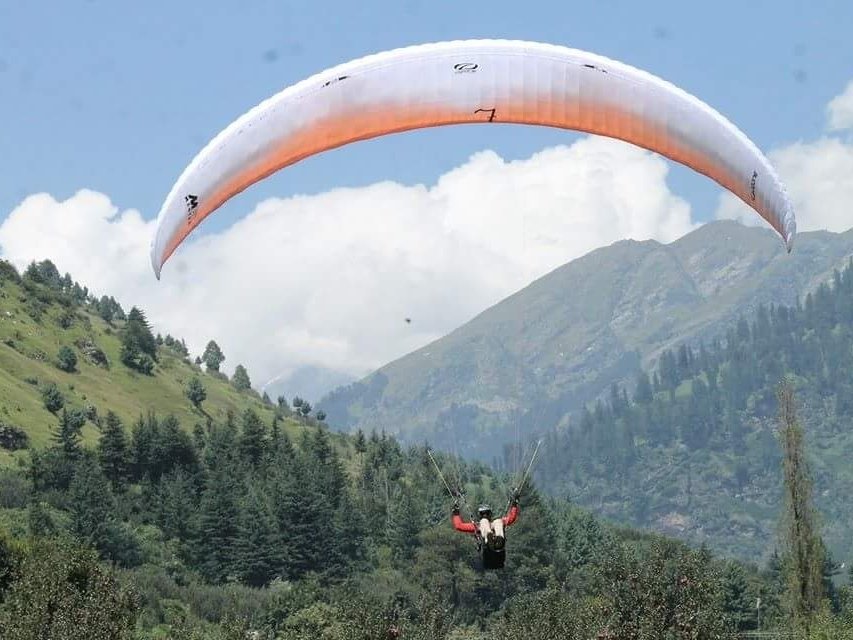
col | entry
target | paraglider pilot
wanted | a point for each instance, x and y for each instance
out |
(490, 533)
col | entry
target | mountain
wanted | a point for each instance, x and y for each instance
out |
(310, 383)
(536, 358)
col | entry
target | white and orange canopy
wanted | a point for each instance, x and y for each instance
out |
(485, 81)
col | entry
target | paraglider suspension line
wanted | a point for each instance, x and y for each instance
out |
(455, 496)
(441, 475)
(529, 466)
(526, 475)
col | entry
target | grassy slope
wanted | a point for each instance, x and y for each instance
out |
(30, 363)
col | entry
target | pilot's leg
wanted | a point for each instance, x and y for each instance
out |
(487, 532)
(498, 526)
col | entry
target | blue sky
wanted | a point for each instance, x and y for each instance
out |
(115, 98)
(118, 96)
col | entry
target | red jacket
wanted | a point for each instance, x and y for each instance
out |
(471, 527)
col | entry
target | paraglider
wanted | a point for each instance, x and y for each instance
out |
(489, 531)
(465, 82)
(472, 81)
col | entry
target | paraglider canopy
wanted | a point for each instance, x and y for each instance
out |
(472, 81)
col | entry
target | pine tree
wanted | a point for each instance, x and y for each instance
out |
(174, 450)
(114, 452)
(583, 542)
(91, 505)
(67, 435)
(137, 326)
(326, 466)
(282, 404)
(348, 534)
(360, 442)
(195, 392)
(668, 371)
(737, 600)
(138, 344)
(199, 438)
(105, 310)
(252, 438)
(282, 452)
(643, 394)
(685, 361)
(219, 510)
(240, 379)
(129, 353)
(118, 312)
(256, 556)
(302, 515)
(143, 448)
(406, 519)
(177, 506)
(531, 539)
(212, 356)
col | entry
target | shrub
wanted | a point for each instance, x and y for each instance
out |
(52, 397)
(66, 319)
(62, 592)
(13, 438)
(145, 364)
(66, 359)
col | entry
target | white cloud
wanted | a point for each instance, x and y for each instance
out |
(840, 110)
(327, 280)
(817, 174)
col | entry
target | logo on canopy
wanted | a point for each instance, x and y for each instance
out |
(192, 204)
(466, 67)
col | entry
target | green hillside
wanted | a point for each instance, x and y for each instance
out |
(39, 314)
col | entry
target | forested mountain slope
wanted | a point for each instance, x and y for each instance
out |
(690, 448)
